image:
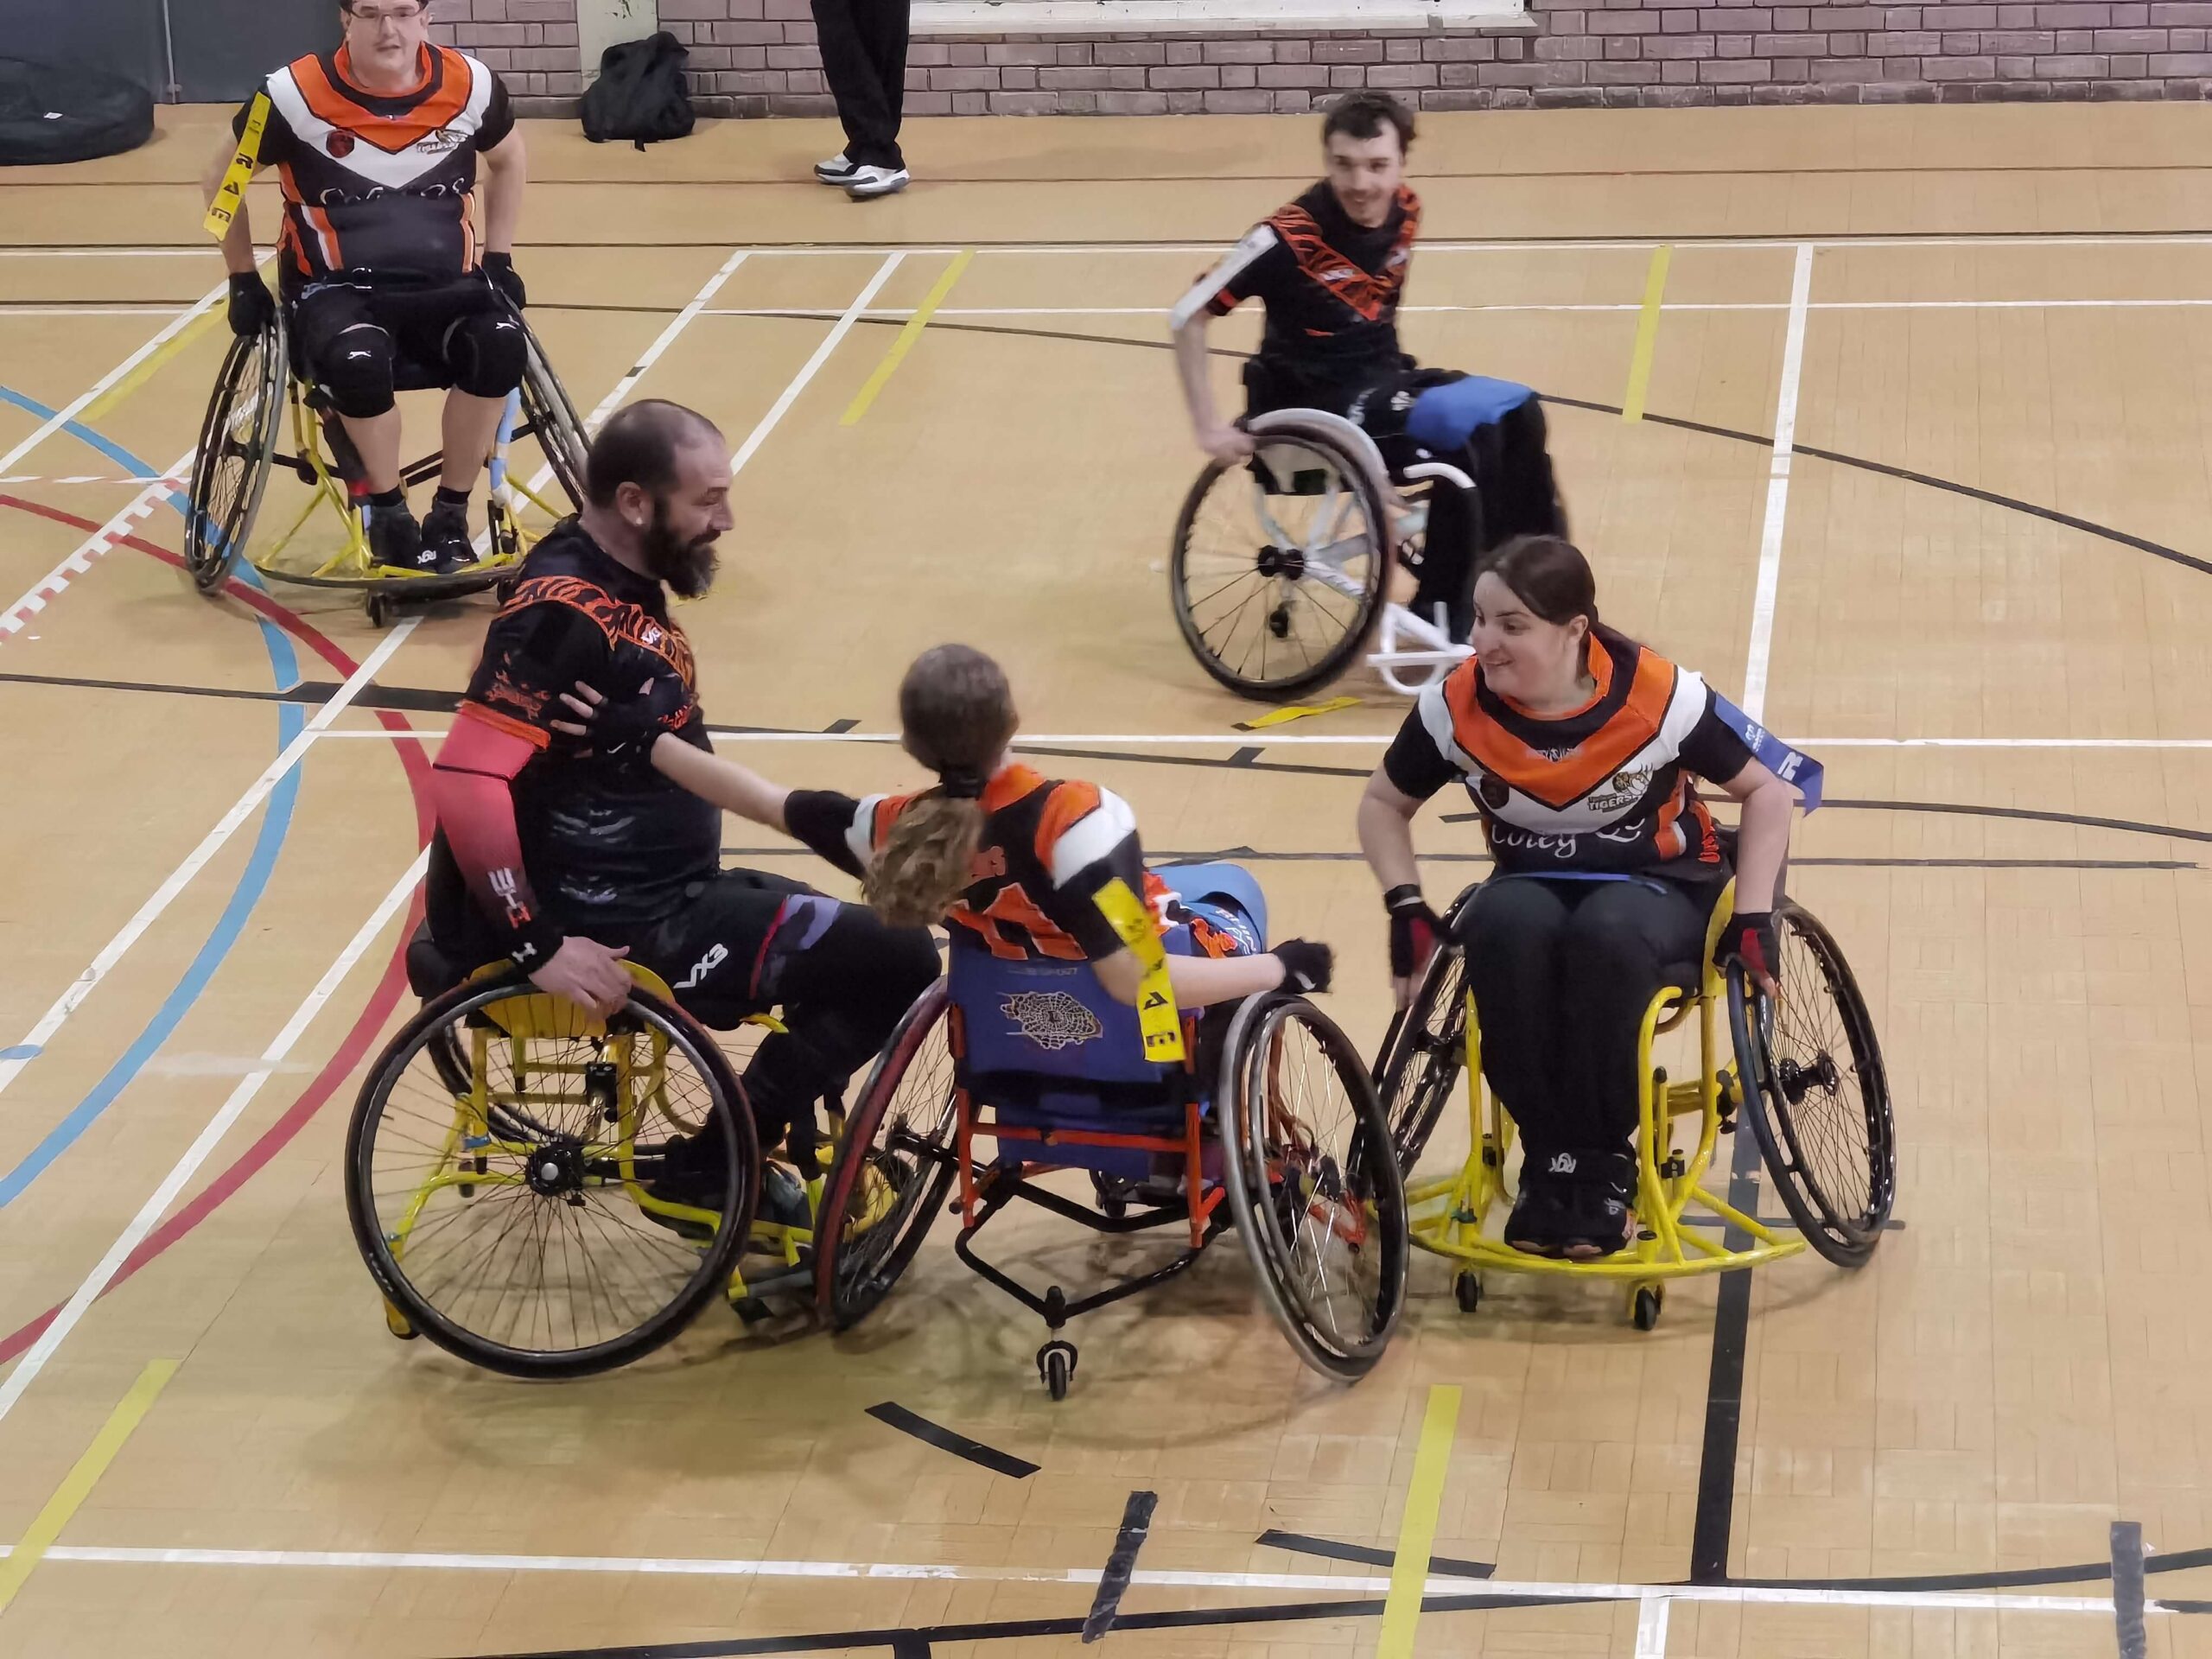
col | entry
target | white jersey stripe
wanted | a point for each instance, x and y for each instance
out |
(1257, 241)
(1092, 836)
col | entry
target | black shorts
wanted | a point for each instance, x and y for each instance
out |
(420, 320)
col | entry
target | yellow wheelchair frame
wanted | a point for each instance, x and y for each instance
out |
(242, 424)
(1450, 1215)
(529, 1016)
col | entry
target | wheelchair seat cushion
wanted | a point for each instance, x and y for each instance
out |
(1444, 417)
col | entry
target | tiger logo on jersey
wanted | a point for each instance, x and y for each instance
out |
(1052, 1019)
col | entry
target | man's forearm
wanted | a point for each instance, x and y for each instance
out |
(1198, 381)
(504, 178)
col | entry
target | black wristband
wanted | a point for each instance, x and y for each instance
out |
(1406, 893)
(531, 947)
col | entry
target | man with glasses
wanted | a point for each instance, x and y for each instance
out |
(376, 146)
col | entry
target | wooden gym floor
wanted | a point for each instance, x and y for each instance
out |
(1980, 588)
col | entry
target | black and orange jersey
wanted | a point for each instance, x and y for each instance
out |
(607, 846)
(1607, 787)
(378, 187)
(1048, 847)
(1330, 288)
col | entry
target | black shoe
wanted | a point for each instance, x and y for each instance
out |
(445, 538)
(783, 1198)
(1539, 1222)
(1596, 1222)
(396, 540)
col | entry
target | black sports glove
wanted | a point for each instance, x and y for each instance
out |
(1414, 930)
(1307, 967)
(625, 729)
(1749, 938)
(252, 306)
(499, 271)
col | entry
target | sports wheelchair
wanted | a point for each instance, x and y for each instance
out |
(1274, 1129)
(1804, 1067)
(1281, 565)
(262, 383)
(500, 1171)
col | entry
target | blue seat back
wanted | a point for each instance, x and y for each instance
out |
(1444, 417)
(1045, 1020)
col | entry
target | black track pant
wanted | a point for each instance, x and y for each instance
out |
(863, 45)
(747, 941)
(1518, 496)
(1561, 973)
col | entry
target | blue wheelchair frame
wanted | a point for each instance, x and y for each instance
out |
(1052, 1070)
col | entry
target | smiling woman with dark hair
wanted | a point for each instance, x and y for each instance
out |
(1581, 749)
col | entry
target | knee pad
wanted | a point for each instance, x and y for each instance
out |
(486, 353)
(356, 371)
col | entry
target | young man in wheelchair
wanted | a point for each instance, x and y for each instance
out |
(377, 145)
(1011, 860)
(1579, 747)
(1330, 268)
(567, 857)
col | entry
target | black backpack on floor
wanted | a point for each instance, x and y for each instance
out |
(640, 95)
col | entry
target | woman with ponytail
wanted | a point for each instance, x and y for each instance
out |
(1579, 747)
(1011, 861)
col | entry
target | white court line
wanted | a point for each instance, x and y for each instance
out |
(114, 310)
(1367, 739)
(1651, 1628)
(48, 587)
(150, 1213)
(1759, 659)
(85, 478)
(892, 312)
(165, 895)
(845, 321)
(683, 319)
(62, 417)
(1644, 1594)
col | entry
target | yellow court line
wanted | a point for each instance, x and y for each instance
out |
(77, 1485)
(1647, 334)
(1417, 1530)
(907, 336)
(146, 371)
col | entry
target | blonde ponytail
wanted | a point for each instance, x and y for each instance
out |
(927, 861)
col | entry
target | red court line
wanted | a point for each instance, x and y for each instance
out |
(382, 1000)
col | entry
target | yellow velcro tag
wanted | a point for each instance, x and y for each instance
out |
(1157, 1018)
(232, 191)
(1296, 711)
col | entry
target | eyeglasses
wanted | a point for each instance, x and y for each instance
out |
(389, 14)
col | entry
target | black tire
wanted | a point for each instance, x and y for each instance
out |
(605, 1246)
(898, 1151)
(1225, 546)
(553, 421)
(1816, 1092)
(238, 446)
(1289, 1160)
(1423, 1055)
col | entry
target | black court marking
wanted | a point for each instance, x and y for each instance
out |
(1114, 1582)
(920, 1638)
(1002, 1463)
(836, 727)
(2128, 1587)
(1368, 1554)
(1724, 1388)
(1245, 756)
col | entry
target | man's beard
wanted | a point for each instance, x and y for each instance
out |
(688, 567)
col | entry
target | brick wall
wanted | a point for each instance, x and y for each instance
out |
(757, 57)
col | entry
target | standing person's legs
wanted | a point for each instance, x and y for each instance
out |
(883, 35)
(845, 32)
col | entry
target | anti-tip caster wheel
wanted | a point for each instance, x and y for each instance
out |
(1467, 1291)
(1644, 1304)
(1056, 1364)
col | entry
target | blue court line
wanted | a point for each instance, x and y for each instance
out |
(261, 864)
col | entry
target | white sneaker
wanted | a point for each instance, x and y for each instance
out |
(871, 182)
(838, 170)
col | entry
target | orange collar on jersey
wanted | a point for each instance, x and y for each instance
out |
(1559, 782)
(1009, 785)
(1601, 670)
(425, 61)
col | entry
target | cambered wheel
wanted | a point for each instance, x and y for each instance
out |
(237, 447)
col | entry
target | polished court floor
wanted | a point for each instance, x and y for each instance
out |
(1922, 476)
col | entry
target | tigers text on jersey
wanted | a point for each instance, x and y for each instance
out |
(375, 183)
(1607, 787)
(1048, 847)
